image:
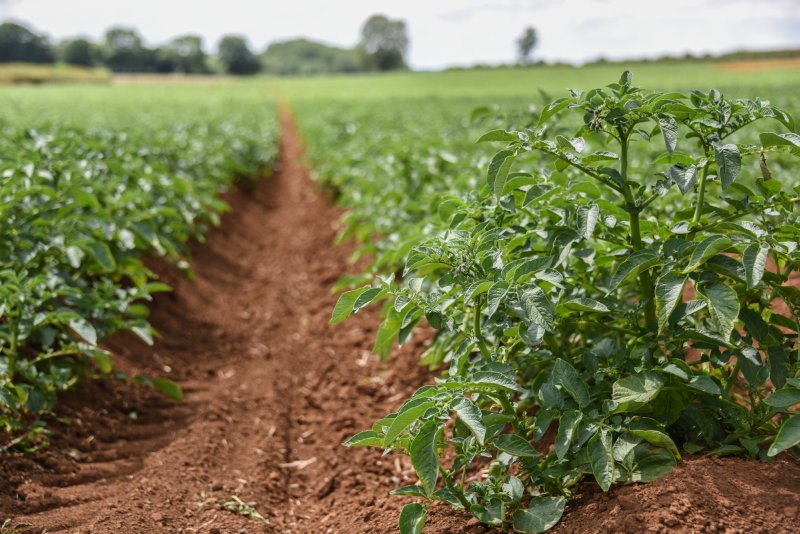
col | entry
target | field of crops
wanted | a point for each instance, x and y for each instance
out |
(94, 181)
(605, 275)
(598, 271)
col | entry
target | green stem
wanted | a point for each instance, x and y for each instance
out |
(508, 408)
(645, 279)
(701, 193)
(58, 354)
(734, 377)
(476, 320)
(447, 476)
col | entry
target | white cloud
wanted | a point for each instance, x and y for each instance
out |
(445, 33)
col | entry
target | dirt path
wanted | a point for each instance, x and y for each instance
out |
(271, 392)
(271, 389)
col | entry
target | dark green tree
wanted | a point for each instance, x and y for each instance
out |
(184, 54)
(79, 52)
(236, 57)
(19, 44)
(384, 43)
(123, 51)
(525, 45)
(303, 57)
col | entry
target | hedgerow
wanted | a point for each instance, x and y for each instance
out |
(85, 197)
(616, 291)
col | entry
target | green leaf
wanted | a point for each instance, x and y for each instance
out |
(783, 398)
(84, 329)
(788, 436)
(367, 438)
(498, 135)
(704, 383)
(514, 489)
(103, 255)
(103, 360)
(492, 513)
(778, 365)
(769, 139)
(538, 308)
(567, 427)
(684, 177)
(651, 463)
(586, 304)
(710, 246)
(669, 129)
(498, 171)
(404, 419)
(542, 514)
(143, 331)
(567, 377)
(515, 445)
(409, 491)
(346, 304)
(587, 220)
(723, 307)
(669, 290)
(552, 108)
(491, 380)
(425, 456)
(389, 328)
(169, 388)
(412, 518)
(495, 297)
(633, 392)
(658, 439)
(729, 162)
(471, 416)
(601, 456)
(633, 265)
(754, 259)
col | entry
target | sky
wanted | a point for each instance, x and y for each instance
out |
(444, 33)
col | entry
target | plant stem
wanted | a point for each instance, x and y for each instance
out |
(645, 279)
(447, 476)
(476, 320)
(701, 193)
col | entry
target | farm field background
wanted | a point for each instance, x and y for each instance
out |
(270, 389)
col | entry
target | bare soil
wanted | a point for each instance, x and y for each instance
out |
(271, 392)
(760, 65)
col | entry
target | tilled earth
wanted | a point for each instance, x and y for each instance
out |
(271, 392)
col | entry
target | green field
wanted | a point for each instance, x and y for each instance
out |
(492, 84)
(607, 264)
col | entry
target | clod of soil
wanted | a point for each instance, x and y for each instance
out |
(271, 392)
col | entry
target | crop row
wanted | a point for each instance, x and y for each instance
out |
(610, 288)
(86, 193)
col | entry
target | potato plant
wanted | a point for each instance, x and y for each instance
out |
(613, 294)
(80, 208)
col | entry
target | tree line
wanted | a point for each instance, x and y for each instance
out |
(383, 46)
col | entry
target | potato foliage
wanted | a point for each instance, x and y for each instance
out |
(613, 291)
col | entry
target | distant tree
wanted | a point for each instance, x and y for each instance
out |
(79, 52)
(123, 51)
(19, 44)
(303, 57)
(525, 45)
(184, 54)
(384, 43)
(236, 57)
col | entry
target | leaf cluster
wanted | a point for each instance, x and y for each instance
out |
(616, 290)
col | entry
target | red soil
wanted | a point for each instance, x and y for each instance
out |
(760, 65)
(271, 392)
